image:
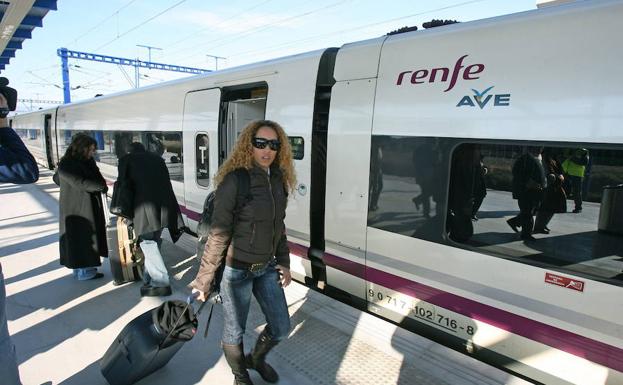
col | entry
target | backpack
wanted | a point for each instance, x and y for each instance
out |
(243, 196)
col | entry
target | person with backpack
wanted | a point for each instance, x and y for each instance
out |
(247, 235)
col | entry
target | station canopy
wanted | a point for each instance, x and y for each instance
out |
(18, 18)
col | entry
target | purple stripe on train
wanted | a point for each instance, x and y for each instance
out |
(195, 216)
(592, 350)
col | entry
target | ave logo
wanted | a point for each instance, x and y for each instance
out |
(482, 98)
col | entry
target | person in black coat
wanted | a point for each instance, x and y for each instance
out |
(82, 225)
(154, 208)
(528, 184)
(480, 187)
(554, 198)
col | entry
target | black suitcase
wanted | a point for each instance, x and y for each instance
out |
(125, 259)
(144, 346)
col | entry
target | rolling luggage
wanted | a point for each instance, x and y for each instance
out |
(126, 260)
(149, 342)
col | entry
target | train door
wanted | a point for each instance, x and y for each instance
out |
(348, 156)
(348, 167)
(55, 153)
(47, 132)
(200, 131)
(241, 105)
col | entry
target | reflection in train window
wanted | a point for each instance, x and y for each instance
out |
(112, 145)
(202, 164)
(407, 186)
(298, 147)
(553, 205)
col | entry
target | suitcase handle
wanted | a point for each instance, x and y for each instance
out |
(189, 301)
(193, 297)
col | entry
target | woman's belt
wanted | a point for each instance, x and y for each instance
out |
(252, 267)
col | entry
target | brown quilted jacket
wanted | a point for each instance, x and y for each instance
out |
(256, 235)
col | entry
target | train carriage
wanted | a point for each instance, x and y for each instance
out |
(391, 139)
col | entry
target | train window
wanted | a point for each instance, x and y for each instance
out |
(298, 147)
(202, 164)
(112, 145)
(557, 207)
(407, 186)
(487, 196)
(30, 137)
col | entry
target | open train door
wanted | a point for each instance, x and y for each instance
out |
(200, 130)
(47, 130)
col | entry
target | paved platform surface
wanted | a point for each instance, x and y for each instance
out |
(62, 327)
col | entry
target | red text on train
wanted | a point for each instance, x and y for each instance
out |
(441, 74)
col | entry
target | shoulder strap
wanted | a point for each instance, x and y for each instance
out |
(243, 194)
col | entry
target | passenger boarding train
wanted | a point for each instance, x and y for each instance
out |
(404, 146)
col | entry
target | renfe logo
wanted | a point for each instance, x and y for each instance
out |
(423, 75)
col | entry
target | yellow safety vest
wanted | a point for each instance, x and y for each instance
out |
(573, 169)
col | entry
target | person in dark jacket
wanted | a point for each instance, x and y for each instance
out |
(465, 168)
(528, 184)
(252, 242)
(480, 187)
(554, 198)
(82, 225)
(17, 165)
(155, 207)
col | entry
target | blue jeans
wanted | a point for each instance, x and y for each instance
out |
(155, 273)
(8, 364)
(85, 273)
(236, 288)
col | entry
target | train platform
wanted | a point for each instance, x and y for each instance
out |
(62, 327)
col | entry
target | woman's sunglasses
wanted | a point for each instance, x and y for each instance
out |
(261, 143)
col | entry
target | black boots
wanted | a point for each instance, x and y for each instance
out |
(234, 354)
(257, 358)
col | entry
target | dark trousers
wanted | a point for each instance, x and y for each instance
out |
(525, 219)
(375, 190)
(542, 219)
(479, 197)
(576, 190)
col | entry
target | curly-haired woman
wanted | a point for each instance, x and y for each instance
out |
(252, 241)
(82, 225)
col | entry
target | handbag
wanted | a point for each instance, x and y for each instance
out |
(122, 201)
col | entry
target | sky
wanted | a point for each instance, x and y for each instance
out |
(186, 32)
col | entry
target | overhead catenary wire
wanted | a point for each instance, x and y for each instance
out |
(43, 79)
(84, 34)
(176, 42)
(141, 24)
(115, 13)
(285, 44)
(240, 35)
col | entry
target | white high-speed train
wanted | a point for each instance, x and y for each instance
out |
(392, 137)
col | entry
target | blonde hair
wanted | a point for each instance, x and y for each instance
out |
(242, 154)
